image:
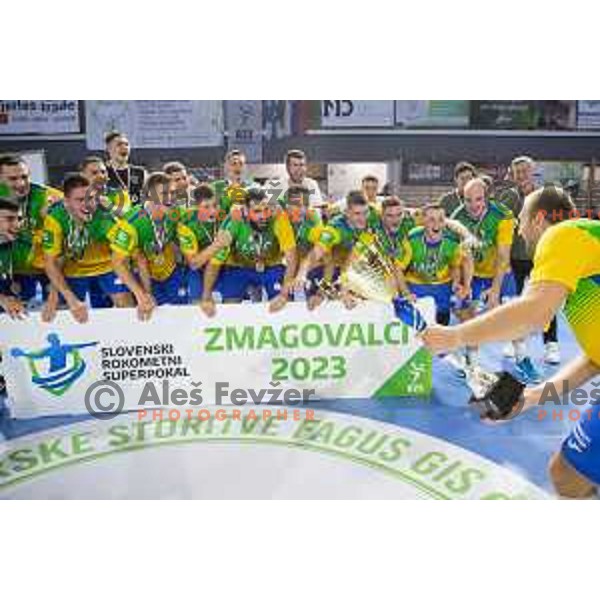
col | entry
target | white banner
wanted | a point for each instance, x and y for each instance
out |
(357, 113)
(39, 117)
(330, 456)
(156, 123)
(181, 358)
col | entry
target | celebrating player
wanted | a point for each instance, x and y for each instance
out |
(182, 186)
(432, 258)
(259, 239)
(199, 236)
(121, 174)
(566, 271)
(114, 200)
(15, 250)
(492, 224)
(232, 190)
(148, 234)
(77, 254)
(337, 239)
(34, 202)
(307, 225)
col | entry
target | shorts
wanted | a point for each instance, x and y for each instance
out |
(98, 287)
(315, 277)
(440, 292)
(480, 285)
(195, 284)
(172, 290)
(234, 281)
(581, 449)
(509, 286)
(30, 285)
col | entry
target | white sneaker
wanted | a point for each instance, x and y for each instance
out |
(509, 350)
(552, 353)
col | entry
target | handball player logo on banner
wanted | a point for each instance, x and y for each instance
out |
(57, 367)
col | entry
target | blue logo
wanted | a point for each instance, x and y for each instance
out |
(57, 367)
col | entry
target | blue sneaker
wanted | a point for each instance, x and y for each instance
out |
(527, 371)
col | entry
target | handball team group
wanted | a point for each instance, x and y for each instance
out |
(116, 236)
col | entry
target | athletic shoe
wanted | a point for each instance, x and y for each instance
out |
(552, 353)
(509, 350)
(527, 371)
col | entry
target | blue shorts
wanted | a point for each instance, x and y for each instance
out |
(509, 286)
(98, 287)
(235, 281)
(172, 290)
(31, 284)
(581, 449)
(195, 284)
(440, 292)
(315, 277)
(480, 285)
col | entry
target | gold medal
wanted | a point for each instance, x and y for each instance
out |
(260, 266)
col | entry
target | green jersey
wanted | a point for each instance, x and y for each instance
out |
(228, 193)
(428, 262)
(15, 257)
(252, 246)
(392, 243)
(195, 231)
(154, 236)
(83, 245)
(492, 229)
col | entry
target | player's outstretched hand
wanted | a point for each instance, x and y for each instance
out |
(315, 301)
(439, 339)
(278, 303)
(14, 308)
(208, 307)
(145, 307)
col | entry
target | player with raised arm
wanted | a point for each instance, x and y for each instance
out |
(566, 272)
(200, 237)
(260, 251)
(337, 239)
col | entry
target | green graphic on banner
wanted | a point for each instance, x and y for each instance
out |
(413, 378)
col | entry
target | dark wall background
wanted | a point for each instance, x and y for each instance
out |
(64, 155)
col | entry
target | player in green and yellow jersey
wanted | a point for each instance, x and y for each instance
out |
(199, 236)
(431, 258)
(337, 239)
(307, 225)
(260, 252)
(147, 235)
(15, 251)
(77, 255)
(492, 224)
(566, 272)
(231, 190)
(34, 200)
(114, 200)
